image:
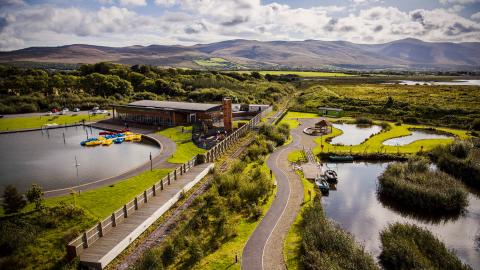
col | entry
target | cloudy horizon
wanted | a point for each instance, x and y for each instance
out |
(186, 22)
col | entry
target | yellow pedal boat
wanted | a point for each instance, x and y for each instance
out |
(93, 143)
(107, 142)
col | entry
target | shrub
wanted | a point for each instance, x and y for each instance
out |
(461, 149)
(150, 261)
(414, 187)
(406, 246)
(326, 246)
(35, 195)
(12, 200)
(363, 121)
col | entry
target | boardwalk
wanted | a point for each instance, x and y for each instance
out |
(106, 248)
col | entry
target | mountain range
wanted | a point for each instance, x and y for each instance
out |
(250, 54)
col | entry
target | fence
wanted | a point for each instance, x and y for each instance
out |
(76, 246)
(222, 146)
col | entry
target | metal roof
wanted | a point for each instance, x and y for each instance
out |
(175, 105)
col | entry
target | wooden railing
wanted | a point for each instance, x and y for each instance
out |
(76, 246)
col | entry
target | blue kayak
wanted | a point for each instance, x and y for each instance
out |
(119, 140)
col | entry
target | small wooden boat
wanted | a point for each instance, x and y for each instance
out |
(322, 185)
(331, 176)
(341, 158)
(118, 140)
(107, 142)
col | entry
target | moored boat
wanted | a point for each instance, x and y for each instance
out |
(107, 142)
(322, 184)
(118, 140)
(341, 158)
(93, 143)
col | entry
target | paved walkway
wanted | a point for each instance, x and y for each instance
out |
(167, 146)
(264, 249)
(106, 248)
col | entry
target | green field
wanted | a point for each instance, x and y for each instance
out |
(301, 73)
(19, 123)
(186, 149)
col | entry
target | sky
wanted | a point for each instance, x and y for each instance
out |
(27, 23)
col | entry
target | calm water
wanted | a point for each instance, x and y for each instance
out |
(355, 207)
(35, 157)
(415, 136)
(454, 82)
(354, 134)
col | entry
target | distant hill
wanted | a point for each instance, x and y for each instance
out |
(250, 54)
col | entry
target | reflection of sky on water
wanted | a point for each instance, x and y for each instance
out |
(415, 136)
(353, 134)
(43, 158)
(355, 207)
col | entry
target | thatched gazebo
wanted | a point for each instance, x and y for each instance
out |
(324, 126)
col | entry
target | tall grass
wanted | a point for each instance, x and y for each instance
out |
(406, 246)
(326, 246)
(414, 186)
(460, 159)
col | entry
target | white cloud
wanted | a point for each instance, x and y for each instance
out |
(476, 17)
(458, 2)
(205, 21)
(133, 2)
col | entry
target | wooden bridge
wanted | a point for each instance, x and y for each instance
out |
(311, 169)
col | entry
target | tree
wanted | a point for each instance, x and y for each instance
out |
(389, 102)
(13, 201)
(35, 195)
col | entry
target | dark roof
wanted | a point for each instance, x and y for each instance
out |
(329, 109)
(174, 105)
(323, 123)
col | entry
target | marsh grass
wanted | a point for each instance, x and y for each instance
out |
(414, 186)
(406, 246)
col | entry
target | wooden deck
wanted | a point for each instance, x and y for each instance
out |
(106, 248)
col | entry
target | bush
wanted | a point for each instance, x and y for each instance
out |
(461, 149)
(12, 200)
(35, 195)
(414, 187)
(363, 121)
(406, 246)
(325, 246)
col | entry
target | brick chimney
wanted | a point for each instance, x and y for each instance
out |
(227, 114)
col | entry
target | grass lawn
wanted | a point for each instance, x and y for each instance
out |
(186, 149)
(303, 73)
(374, 144)
(291, 248)
(224, 257)
(101, 202)
(38, 121)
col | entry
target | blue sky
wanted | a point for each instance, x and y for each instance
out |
(25, 23)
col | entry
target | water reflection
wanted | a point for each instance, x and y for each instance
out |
(356, 208)
(454, 82)
(415, 136)
(354, 134)
(44, 158)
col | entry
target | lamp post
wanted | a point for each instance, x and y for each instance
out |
(78, 179)
(151, 164)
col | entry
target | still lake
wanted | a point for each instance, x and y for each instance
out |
(43, 158)
(355, 207)
(415, 136)
(354, 134)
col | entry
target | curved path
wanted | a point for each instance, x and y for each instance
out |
(167, 148)
(264, 249)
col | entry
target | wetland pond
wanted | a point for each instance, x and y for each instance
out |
(415, 136)
(454, 82)
(354, 134)
(355, 207)
(43, 158)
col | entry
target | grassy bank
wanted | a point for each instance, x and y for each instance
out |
(40, 236)
(186, 149)
(406, 246)
(292, 245)
(19, 123)
(326, 246)
(415, 187)
(460, 159)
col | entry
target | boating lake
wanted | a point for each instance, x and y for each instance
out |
(354, 134)
(415, 136)
(355, 207)
(43, 158)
